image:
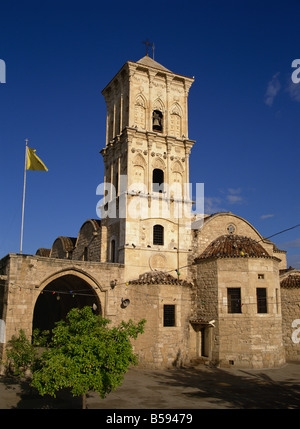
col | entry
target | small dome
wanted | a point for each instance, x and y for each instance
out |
(291, 281)
(230, 246)
(43, 252)
(68, 242)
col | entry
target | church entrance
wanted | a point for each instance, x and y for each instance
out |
(59, 297)
(204, 341)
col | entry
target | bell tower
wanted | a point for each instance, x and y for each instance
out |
(146, 210)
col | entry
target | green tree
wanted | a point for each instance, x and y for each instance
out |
(86, 355)
(21, 355)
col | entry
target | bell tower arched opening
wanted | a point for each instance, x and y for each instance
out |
(157, 180)
(59, 297)
(157, 121)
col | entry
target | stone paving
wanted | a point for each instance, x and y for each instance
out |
(194, 388)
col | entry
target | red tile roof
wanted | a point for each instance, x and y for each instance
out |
(157, 277)
(291, 281)
(233, 246)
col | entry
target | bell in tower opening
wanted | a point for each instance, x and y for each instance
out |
(157, 121)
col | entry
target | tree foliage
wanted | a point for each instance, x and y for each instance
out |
(85, 354)
(21, 355)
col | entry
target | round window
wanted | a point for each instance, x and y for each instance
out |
(230, 228)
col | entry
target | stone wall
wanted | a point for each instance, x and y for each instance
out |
(206, 301)
(24, 277)
(290, 305)
(3, 297)
(245, 339)
(27, 276)
(250, 339)
(160, 346)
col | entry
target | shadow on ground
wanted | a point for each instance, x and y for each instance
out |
(19, 394)
(186, 388)
(241, 389)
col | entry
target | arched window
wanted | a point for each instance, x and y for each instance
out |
(113, 251)
(158, 235)
(140, 112)
(175, 126)
(176, 121)
(157, 180)
(85, 256)
(116, 184)
(157, 121)
(138, 172)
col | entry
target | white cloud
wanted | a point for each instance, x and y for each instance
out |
(267, 216)
(220, 204)
(212, 205)
(294, 90)
(294, 243)
(272, 90)
(235, 191)
(233, 197)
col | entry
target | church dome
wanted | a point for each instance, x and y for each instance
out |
(292, 281)
(233, 246)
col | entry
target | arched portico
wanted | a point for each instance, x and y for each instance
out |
(60, 293)
(41, 290)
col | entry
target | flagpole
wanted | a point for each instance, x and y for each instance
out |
(23, 205)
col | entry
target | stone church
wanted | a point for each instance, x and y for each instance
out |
(209, 286)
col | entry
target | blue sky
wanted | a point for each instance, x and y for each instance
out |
(243, 107)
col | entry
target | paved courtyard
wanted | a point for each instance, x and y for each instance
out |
(195, 388)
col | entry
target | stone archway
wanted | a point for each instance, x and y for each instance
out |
(61, 293)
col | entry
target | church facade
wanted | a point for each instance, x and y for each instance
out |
(208, 286)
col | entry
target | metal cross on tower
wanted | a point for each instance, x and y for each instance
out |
(147, 43)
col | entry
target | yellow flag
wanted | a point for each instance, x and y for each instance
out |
(34, 162)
